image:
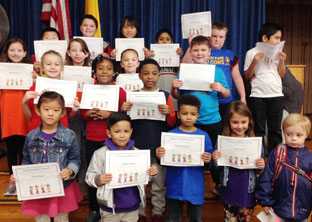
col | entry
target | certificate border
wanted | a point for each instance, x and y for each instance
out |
(175, 46)
(26, 66)
(184, 16)
(38, 42)
(119, 40)
(86, 68)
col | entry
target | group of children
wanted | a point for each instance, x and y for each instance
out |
(39, 133)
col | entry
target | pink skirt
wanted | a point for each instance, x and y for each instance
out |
(53, 206)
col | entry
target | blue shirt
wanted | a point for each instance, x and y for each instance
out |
(187, 183)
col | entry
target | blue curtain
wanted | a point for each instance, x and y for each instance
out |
(243, 17)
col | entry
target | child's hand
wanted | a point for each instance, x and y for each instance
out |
(282, 56)
(113, 53)
(102, 114)
(105, 55)
(164, 109)
(190, 38)
(30, 95)
(105, 178)
(180, 52)
(216, 155)
(76, 105)
(148, 54)
(258, 56)
(152, 171)
(160, 151)
(37, 67)
(217, 87)
(66, 173)
(126, 106)
(206, 157)
(267, 210)
(260, 163)
(176, 83)
(12, 179)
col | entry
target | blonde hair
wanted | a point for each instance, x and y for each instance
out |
(295, 119)
(242, 109)
(50, 52)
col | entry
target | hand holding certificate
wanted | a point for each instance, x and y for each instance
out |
(194, 24)
(42, 46)
(36, 181)
(182, 150)
(95, 45)
(197, 76)
(16, 76)
(166, 54)
(80, 74)
(129, 43)
(240, 153)
(128, 168)
(270, 52)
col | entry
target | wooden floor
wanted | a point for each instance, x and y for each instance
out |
(10, 208)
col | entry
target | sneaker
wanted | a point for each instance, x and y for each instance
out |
(216, 190)
(142, 218)
(157, 218)
(10, 190)
(93, 217)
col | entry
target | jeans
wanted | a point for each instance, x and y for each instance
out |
(175, 211)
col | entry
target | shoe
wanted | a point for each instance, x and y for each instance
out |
(10, 190)
(93, 217)
(216, 190)
(157, 218)
(142, 218)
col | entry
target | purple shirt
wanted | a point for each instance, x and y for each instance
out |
(47, 137)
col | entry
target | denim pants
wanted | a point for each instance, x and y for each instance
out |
(175, 211)
(268, 112)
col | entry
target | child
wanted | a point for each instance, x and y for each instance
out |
(117, 204)
(54, 143)
(209, 118)
(186, 183)
(237, 185)
(129, 61)
(167, 74)
(104, 71)
(77, 53)
(13, 123)
(52, 67)
(147, 134)
(88, 28)
(266, 86)
(284, 190)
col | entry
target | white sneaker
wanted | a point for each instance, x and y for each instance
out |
(10, 190)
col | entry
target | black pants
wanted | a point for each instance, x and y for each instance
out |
(91, 147)
(175, 211)
(15, 146)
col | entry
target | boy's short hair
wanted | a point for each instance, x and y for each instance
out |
(220, 26)
(51, 95)
(148, 61)
(116, 117)
(295, 119)
(161, 31)
(269, 29)
(88, 16)
(199, 40)
(188, 99)
(50, 29)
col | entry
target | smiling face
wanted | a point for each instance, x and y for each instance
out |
(217, 38)
(295, 136)
(164, 38)
(129, 31)
(129, 61)
(275, 39)
(50, 112)
(16, 52)
(239, 125)
(76, 53)
(88, 28)
(104, 72)
(52, 66)
(149, 75)
(120, 133)
(200, 53)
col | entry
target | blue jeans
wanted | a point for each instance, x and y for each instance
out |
(175, 211)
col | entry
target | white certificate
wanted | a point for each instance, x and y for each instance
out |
(16, 75)
(122, 44)
(128, 168)
(66, 88)
(95, 45)
(270, 51)
(166, 54)
(238, 152)
(182, 149)
(197, 76)
(37, 181)
(196, 24)
(129, 82)
(104, 97)
(80, 74)
(42, 46)
(271, 217)
(145, 105)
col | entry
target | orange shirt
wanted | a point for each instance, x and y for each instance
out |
(13, 121)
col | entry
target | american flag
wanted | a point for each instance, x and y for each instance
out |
(55, 13)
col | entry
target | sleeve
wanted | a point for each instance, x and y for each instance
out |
(248, 60)
(208, 144)
(171, 118)
(234, 62)
(264, 190)
(94, 171)
(220, 77)
(83, 114)
(122, 97)
(26, 157)
(73, 157)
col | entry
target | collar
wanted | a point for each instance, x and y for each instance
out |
(59, 132)
(112, 146)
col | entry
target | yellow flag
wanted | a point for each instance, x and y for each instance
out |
(92, 8)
